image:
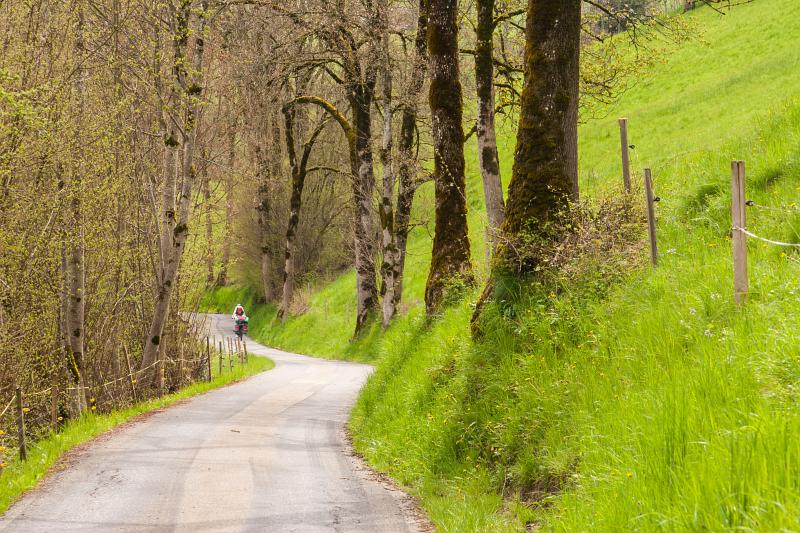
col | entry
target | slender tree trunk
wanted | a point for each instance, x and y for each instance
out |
(407, 160)
(298, 182)
(450, 262)
(299, 168)
(263, 209)
(487, 140)
(205, 180)
(388, 236)
(76, 268)
(222, 279)
(358, 136)
(176, 228)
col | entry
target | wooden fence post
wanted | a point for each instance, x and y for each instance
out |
(23, 448)
(220, 358)
(54, 407)
(130, 375)
(180, 365)
(230, 354)
(208, 356)
(651, 215)
(244, 343)
(740, 281)
(626, 161)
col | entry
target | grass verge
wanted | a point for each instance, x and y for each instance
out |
(653, 404)
(21, 477)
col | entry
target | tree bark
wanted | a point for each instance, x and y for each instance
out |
(222, 278)
(175, 226)
(545, 173)
(76, 267)
(360, 97)
(406, 158)
(205, 180)
(358, 136)
(263, 209)
(299, 172)
(268, 153)
(386, 212)
(450, 261)
(487, 140)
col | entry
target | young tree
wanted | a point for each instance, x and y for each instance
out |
(185, 94)
(76, 263)
(450, 261)
(488, 158)
(407, 160)
(299, 168)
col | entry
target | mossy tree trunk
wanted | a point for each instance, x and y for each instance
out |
(407, 161)
(545, 173)
(487, 139)
(360, 97)
(450, 262)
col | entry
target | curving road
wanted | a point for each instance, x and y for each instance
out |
(266, 454)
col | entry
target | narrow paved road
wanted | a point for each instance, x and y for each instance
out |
(267, 454)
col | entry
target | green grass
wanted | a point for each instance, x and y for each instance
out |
(655, 404)
(21, 477)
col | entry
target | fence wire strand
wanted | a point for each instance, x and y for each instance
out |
(782, 209)
(8, 406)
(768, 241)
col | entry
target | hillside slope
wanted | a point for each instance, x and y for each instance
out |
(653, 403)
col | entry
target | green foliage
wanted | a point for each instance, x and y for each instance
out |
(648, 402)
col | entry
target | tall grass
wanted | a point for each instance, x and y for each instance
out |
(655, 404)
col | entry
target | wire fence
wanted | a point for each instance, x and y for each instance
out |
(44, 411)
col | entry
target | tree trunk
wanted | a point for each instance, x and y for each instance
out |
(299, 171)
(263, 210)
(175, 227)
(298, 182)
(388, 240)
(222, 278)
(487, 141)
(358, 136)
(545, 173)
(76, 268)
(265, 154)
(363, 186)
(407, 160)
(205, 180)
(450, 261)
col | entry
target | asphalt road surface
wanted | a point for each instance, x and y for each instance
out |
(266, 454)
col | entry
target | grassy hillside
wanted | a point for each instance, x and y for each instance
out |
(651, 404)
